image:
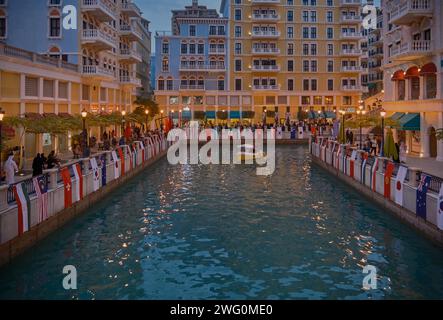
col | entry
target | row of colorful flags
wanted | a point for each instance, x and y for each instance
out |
(73, 185)
(339, 160)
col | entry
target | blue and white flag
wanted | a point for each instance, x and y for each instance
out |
(104, 177)
(422, 192)
(41, 190)
(440, 209)
(95, 175)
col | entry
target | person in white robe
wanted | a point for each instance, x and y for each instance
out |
(10, 169)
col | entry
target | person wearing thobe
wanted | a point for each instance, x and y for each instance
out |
(10, 170)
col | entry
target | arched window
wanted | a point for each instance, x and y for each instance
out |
(2, 24)
(399, 78)
(429, 72)
(184, 83)
(165, 65)
(413, 75)
(161, 83)
(54, 24)
(169, 84)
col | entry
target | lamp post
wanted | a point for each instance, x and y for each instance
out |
(383, 115)
(123, 122)
(2, 115)
(343, 112)
(147, 119)
(84, 114)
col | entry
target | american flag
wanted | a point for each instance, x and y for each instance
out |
(41, 189)
(422, 191)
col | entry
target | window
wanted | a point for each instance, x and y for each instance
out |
(31, 87)
(165, 47)
(200, 48)
(330, 3)
(169, 85)
(314, 84)
(330, 66)
(329, 100)
(184, 48)
(330, 49)
(237, 15)
(48, 88)
(238, 65)
(238, 48)
(192, 31)
(313, 49)
(221, 85)
(290, 49)
(306, 84)
(314, 66)
(305, 65)
(238, 31)
(165, 65)
(318, 100)
(313, 32)
(347, 100)
(63, 90)
(221, 30)
(329, 16)
(212, 30)
(305, 33)
(85, 92)
(290, 65)
(238, 84)
(305, 100)
(2, 26)
(161, 84)
(305, 49)
(330, 33)
(313, 16)
(290, 16)
(290, 32)
(290, 84)
(54, 27)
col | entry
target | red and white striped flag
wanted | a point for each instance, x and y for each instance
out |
(24, 208)
(41, 190)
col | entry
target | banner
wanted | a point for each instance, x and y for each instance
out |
(440, 209)
(116, 168)
(122, 161)
(104, 176)
(79, 177)
(352, 164)
(422, 192)
(24, 208)
(95, 175)
(374, 169)
(399, 185)
(67, 183)
(41, 190)
(388, 176)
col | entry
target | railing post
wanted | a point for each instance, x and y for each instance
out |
(413, 182)
(53, 183)
(4, 197)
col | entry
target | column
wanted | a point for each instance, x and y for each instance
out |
(424, 136)
(439, 85)
(422, 88)
(440, 142)
(407, 89)
(408, 142)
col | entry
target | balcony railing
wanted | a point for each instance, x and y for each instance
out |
(350, 3)
(415, 48)
(273, 68)
(266, 51)
(351, 69)
(408, 11)
(266, 16)
(351, 19)
(98, 37)
(217, 51)
(265, 1)
(130, 54)
(351, 52)
(351, 35)
(131, 9)
(128, 80)
(265, 87)
(130, 31)
(103, 10)
(265, 34)
(351, 88)
(202, 67)
(192, 87)
(97, 71)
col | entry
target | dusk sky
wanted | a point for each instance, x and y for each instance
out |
(159, 11)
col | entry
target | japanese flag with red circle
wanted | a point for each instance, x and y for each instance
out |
(399, 185)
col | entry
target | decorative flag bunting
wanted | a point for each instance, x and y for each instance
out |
(41, 189)
(440, 209)
(79, 185)
(399, 185)
(67, 183)
(24, 208)
(422, 192)
(374, 169)
(122, 161)
(104, 176)
(352, 164)
(95, 175)
(388, 176)
(116, 168)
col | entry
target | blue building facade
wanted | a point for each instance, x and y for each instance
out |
(191, 60)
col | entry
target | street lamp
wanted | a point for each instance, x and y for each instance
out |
(383, 115)
(361, 113)
(123, 122)
(2, 115)
(84, 114)
(147, 119)
(343, 112)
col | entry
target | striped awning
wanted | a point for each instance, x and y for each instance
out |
(410, 122)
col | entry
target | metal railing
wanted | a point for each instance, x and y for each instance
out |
(28, 185)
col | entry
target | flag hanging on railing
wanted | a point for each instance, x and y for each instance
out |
(399, 185)
(363, 168)
(41, 190)
(337, 158)
(440, 209)
(24, 208)
(387, 181)
(135, 154)
(122, 161)
(95, 175)
(79, 185)
(67, 183)
(352, 164)
(345, 162)
(374, 169)
(142, 147)
(116, 168)
(422, 192)
(131, 158)
(104, 176)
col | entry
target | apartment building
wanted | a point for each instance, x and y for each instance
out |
(413, 63)
(190, 65)
(45, 68)
(375, 59)
(294, 55)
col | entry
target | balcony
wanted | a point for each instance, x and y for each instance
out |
(185, 67)
(351, 52)
(266, 87)
(351, 36)
(266, 51)
(350, 88)
(411, 11)
(350, 3)
(97, 39)
(130, 56)
(130, 32)
(351, 69)
(412, 50)
(97, 72)
(130, 81)
(265, 17)
(131, 9)
(266, 68)
(265, 2)
(351, 19)
(192, 87)
(102, 10)
(265, 34)
(221, 51)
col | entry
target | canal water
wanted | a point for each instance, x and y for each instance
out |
(221, 232)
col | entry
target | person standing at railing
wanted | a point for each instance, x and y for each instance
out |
(37, 165)
(10, 169)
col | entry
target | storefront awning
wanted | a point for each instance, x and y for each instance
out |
(396, 116)
(210, 114)
(330, 115)
(410, 122)
(234, 114)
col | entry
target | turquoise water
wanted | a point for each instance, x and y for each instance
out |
(221, 232)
